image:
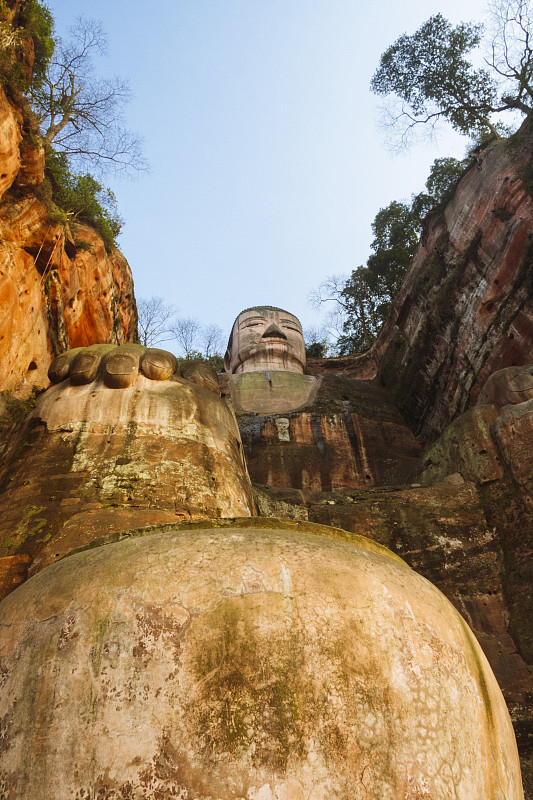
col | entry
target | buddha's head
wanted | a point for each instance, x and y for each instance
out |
(265, 338)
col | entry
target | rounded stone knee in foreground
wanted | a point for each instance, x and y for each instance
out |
(240, 659)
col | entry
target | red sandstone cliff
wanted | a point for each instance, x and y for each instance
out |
(55, 293)
(465, 308)
(58, 289)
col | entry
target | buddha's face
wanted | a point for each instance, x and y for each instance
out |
(263, 339)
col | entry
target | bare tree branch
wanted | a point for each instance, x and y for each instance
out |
(330, 290)
(212, 340)
(187, 331)
(155, 321)
(81, 113)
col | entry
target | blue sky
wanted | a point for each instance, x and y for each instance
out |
(267, 164)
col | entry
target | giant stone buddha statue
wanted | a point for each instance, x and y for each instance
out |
(265, 338)
(266, 361)
(320, 433)
(244, 659)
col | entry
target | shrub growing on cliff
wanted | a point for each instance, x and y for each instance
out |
(37, 20)
(33, 20)
(82, 199)
(216, 360)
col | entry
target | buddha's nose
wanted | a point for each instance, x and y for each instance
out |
(273, 332)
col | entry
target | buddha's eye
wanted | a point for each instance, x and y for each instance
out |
(290, 328)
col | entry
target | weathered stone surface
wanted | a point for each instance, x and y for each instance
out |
(465, 308)
(474, 543)
(265, 338)
(160, 450)
(55, 294)
(362, 367)
(31, 172)
(13, 571)
(508, 386)
(274, 392)
(513, 432)
(493, 447)
(346, 436)
(467, 447)
(10, 136)
(485, 440)
(257, 664)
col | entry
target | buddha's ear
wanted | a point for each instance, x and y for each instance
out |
(227, 360)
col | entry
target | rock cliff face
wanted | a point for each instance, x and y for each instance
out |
(10, 137)
(345, 436)
(58, 289)
(466, 306)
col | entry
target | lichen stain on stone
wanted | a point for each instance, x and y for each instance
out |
(348, 690)
(247, 692)
(157, 625)
(29, 526)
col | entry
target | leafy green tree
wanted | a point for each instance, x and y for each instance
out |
(396, 230)
(317, 340)
(316, 350)
(365, 297)
(364, 308)
(368, 293)
(430, 74)
(356, 318)
(444, 175)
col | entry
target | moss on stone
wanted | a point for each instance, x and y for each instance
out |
(263, 523)
(237, 712)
